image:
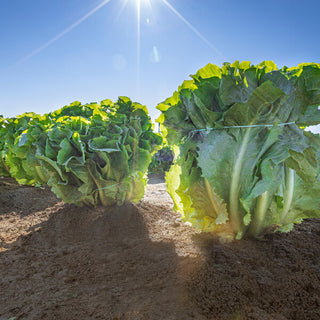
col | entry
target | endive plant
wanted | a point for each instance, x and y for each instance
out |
(94, 154)
(244, 162)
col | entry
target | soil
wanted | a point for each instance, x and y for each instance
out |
(59, 261)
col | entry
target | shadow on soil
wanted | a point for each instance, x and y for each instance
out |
(85, 263)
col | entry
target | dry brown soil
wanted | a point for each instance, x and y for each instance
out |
(58, 261)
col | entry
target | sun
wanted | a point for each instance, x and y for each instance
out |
(139, 2)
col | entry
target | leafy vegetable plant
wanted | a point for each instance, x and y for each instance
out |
(244, 165)
(88, 154)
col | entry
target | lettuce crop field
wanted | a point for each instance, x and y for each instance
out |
(91, 228)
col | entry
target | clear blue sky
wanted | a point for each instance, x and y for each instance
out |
(55, 52)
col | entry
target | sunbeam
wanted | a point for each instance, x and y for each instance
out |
(178, 14)
(57, 37)
(138, 43)
(138, 4)
(124, 4)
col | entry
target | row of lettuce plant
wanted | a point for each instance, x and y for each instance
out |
(244, 165)
(95, 154)
(161, 161)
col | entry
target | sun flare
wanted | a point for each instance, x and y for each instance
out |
(140, 5)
